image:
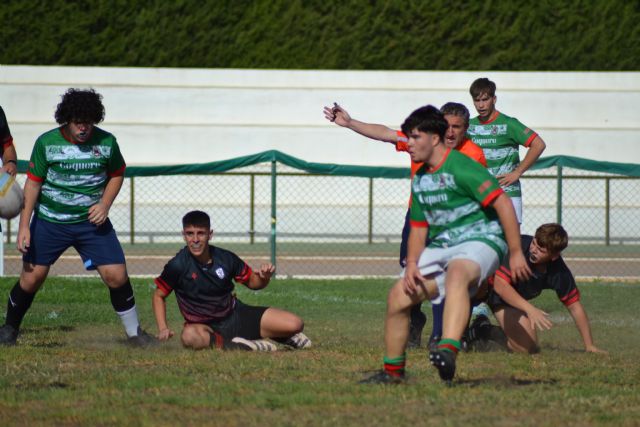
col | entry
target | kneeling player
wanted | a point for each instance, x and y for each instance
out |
(202, 276)
(463, 206)
(509, 299)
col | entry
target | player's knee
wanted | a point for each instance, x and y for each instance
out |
(192, 338)
(114, 278)
(297, 325)
(397, 300)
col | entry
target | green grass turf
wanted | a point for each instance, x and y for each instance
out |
(71, 366)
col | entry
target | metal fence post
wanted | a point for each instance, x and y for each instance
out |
(559, 196)
(273, 212)
(370, 210)
(252, 204)
(132, 220)
(607, 213)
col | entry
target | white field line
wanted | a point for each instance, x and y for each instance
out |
(604, 281)
(331, 258)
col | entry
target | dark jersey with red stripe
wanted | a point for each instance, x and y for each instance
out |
(557, 277)
(204, 292)
(5, 134)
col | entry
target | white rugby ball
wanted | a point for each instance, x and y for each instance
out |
(11, 202)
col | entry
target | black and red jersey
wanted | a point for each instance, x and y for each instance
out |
(5, 134)
(557, 277)
(204, 292)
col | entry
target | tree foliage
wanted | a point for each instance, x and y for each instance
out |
(585, 35)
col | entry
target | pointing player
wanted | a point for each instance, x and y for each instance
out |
(457, 117)
(463, 207)
(202, 276)
(75, 173)
(509, 299)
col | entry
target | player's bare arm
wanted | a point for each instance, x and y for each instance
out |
(9, 160)
(99, 212)
(260, 278)
(581, 320)
(339, 116)
(517, 263)
(31, 193)
(415, 246)
(536, 148)
(538, 318)
(160, 311)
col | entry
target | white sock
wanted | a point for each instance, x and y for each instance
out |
(130, 321)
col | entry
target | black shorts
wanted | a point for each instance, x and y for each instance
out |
(244, 321)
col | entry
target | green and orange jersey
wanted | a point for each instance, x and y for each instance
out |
(73, 176)
(467, 147)
(500, 138)
(453, 199)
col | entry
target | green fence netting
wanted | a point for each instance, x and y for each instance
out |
(314, 219)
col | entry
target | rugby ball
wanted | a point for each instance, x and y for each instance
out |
(12, 201)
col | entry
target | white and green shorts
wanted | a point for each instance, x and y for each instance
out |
(434, 262)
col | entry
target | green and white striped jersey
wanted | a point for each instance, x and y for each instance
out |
(500, 139)
(73, 176)
(453, 200)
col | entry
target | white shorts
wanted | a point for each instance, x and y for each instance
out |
(517, 205)
(434, 262)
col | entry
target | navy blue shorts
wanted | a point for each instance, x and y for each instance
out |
(97, 245)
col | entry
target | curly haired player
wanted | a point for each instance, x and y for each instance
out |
(75, 173)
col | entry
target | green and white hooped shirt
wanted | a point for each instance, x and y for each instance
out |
(500, 139)
(453, 200)
(73, 176)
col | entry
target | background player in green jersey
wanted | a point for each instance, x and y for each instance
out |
(500, 137)
(465, 212)
(75, 173)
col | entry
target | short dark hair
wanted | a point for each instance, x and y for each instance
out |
(80, 106)
(426, 119)
(196, 219)
(482, 85)
(552, 237)
(456, 109)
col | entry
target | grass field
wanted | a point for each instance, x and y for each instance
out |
(71, 367)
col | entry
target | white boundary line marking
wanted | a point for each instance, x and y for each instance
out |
(328, 258)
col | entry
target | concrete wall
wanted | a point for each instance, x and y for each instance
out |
(169, 116)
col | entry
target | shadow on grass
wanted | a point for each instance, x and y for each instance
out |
(42, 329)
(503, 382)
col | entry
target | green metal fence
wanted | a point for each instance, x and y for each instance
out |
(339, 220)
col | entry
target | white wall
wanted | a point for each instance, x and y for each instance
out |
(168, 116)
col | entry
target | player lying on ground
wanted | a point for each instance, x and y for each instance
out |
(75, 173)
(457, 117)
(202, 277)
(509, 299)
(463, 207)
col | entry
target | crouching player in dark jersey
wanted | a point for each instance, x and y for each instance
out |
(509, 300)
(202, 277)
(75, 173)
(463, 208)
